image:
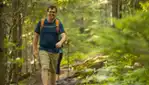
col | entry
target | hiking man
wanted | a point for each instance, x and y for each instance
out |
(48, 30)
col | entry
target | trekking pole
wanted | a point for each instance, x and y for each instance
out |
(34, 63)
(68, 59)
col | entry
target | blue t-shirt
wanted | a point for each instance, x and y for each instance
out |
(49, 36)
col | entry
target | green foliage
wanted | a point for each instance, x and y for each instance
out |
(75, 57)
(126, 44)
(145, 6)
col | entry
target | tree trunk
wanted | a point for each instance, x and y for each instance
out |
(82, 28)
(116, 8)
(2, 57)
(15, 6)
(19, 42)
(20, 35)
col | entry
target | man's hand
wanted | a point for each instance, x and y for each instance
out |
(35, 53)
(59, 44)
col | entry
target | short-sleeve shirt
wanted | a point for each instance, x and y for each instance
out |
(49, 36)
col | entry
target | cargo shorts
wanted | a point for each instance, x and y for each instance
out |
(48, 61)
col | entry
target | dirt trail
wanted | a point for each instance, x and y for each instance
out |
(68, 77)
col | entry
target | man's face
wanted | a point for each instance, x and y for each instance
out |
(52, 13)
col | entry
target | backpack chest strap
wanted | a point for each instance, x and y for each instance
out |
(56, 23)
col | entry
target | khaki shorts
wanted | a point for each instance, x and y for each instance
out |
(48, 60)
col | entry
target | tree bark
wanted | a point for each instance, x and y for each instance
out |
(16, 11)
(2, 57)
(116, 8)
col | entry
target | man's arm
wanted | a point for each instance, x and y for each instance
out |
(63, 36)
(35, 44)
(63, 39)
(35, 40)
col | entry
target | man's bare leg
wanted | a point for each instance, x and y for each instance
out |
(44, 60)
(58, 75)
(52, 77)
(45, 77)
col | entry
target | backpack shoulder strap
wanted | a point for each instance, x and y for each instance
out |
(57, 25)
(42, 23)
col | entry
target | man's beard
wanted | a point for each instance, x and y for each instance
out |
(52, 16)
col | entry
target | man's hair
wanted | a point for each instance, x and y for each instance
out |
(52, 7)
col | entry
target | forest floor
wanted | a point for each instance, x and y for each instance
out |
(74, 75)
